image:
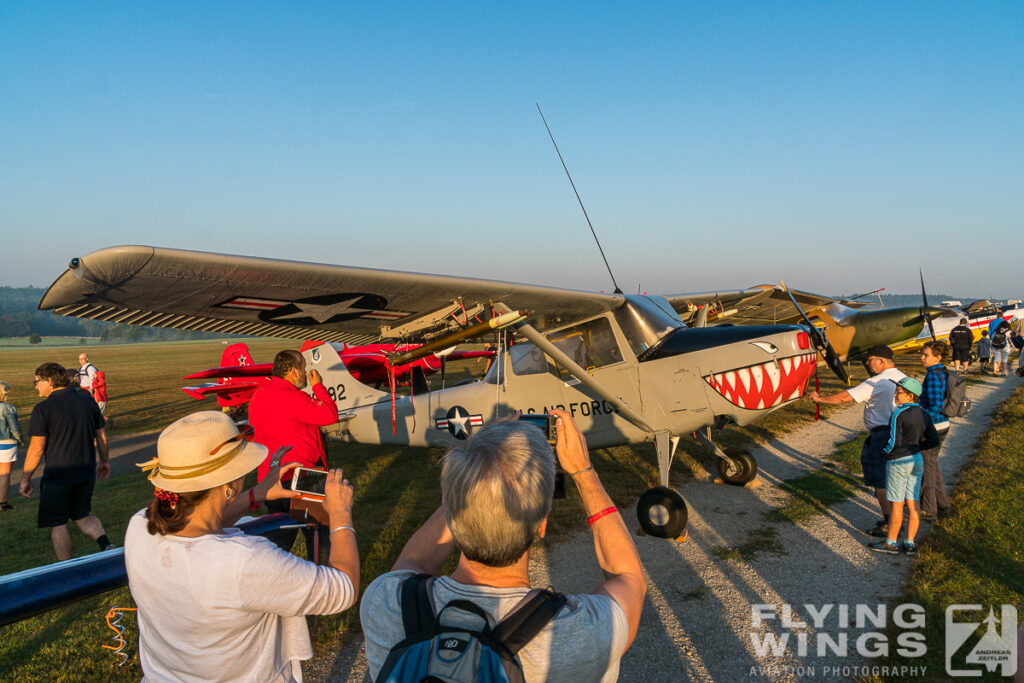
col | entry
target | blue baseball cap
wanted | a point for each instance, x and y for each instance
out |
(910, 384)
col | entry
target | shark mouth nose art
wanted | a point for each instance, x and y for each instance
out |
(765, 385)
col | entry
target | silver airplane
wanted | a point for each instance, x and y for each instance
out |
(625, 366)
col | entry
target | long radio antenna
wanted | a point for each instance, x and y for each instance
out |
(592, 232)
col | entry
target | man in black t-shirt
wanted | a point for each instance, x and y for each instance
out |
(66, 429)
(961, 339)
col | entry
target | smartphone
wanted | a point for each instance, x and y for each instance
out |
(546, 423)
(309, 482)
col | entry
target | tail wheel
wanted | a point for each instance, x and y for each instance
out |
(662, 512)
(739, 469)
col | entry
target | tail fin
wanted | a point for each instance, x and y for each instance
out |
(236, 354)
(346, 391)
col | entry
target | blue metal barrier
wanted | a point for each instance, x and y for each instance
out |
(34, 591)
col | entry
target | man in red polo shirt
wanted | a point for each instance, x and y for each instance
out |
(281, 414)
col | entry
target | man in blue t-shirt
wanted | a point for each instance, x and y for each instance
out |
(65, 429)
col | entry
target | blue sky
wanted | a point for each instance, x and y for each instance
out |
(839, 146)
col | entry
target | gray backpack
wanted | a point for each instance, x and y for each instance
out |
(957, 404)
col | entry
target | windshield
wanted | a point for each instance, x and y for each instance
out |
(646, 319)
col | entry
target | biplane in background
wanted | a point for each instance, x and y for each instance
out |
(625, 366)
(849, 331)
(239, 376)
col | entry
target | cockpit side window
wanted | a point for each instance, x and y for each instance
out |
(591, 344)
(527, 359)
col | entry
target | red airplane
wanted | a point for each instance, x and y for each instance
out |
(238, 376)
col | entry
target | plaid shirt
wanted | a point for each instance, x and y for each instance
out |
(934, 397)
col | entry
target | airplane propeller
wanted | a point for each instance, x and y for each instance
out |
(926, 309)
(821, 342)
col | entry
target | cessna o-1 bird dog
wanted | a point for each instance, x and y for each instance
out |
(625, 366)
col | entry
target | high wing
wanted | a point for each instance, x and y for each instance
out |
(207, 292)
(760, 305)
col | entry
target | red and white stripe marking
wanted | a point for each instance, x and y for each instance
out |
(252, 304)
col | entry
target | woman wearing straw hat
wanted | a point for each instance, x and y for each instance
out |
(10, 439)
(215, 604)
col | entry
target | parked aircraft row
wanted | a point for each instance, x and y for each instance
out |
(626, 366)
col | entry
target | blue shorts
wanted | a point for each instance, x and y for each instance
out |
(872, 458)
(903, 478)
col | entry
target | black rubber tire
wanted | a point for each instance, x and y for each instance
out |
(741, 470)
(670, 509)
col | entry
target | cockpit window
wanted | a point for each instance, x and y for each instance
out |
(527, 359)
(591, 344)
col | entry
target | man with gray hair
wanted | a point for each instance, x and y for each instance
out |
(496, 495)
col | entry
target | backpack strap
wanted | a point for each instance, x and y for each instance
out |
(417, 605)
(526, 621)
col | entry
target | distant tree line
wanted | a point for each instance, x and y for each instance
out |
(20, 317)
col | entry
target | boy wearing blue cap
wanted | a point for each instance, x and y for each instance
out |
(910, 432)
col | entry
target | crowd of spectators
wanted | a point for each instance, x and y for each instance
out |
(220, 605)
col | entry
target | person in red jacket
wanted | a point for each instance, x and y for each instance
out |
(281, 414)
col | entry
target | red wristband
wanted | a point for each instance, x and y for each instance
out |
(603, 513)
(253, 505)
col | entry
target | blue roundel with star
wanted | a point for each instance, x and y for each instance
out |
(459, 422)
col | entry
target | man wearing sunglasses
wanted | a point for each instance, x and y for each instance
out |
(66, 430)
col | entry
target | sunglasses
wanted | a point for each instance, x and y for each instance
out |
(246, 434)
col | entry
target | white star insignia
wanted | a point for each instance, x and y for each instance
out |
(457, 423)
(322, 313)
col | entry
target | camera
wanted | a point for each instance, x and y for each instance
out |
(546, 423)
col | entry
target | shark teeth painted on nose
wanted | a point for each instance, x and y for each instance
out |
(767, 384)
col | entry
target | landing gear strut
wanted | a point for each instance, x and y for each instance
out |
(660, 510)
(736, 466)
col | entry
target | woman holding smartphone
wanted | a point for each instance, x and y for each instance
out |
(215, 604)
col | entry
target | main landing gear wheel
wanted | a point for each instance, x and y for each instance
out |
(662, 512)
(739, 469)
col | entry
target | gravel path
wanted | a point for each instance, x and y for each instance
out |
(697, 621)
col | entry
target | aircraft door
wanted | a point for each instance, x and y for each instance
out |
(594, 346)
(537, 386)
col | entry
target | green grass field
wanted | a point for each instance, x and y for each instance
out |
(396, 490)
(49, 342)
(143, 380)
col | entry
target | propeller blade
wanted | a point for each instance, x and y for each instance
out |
(702, 317)
(924, 309)
(821, 342)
